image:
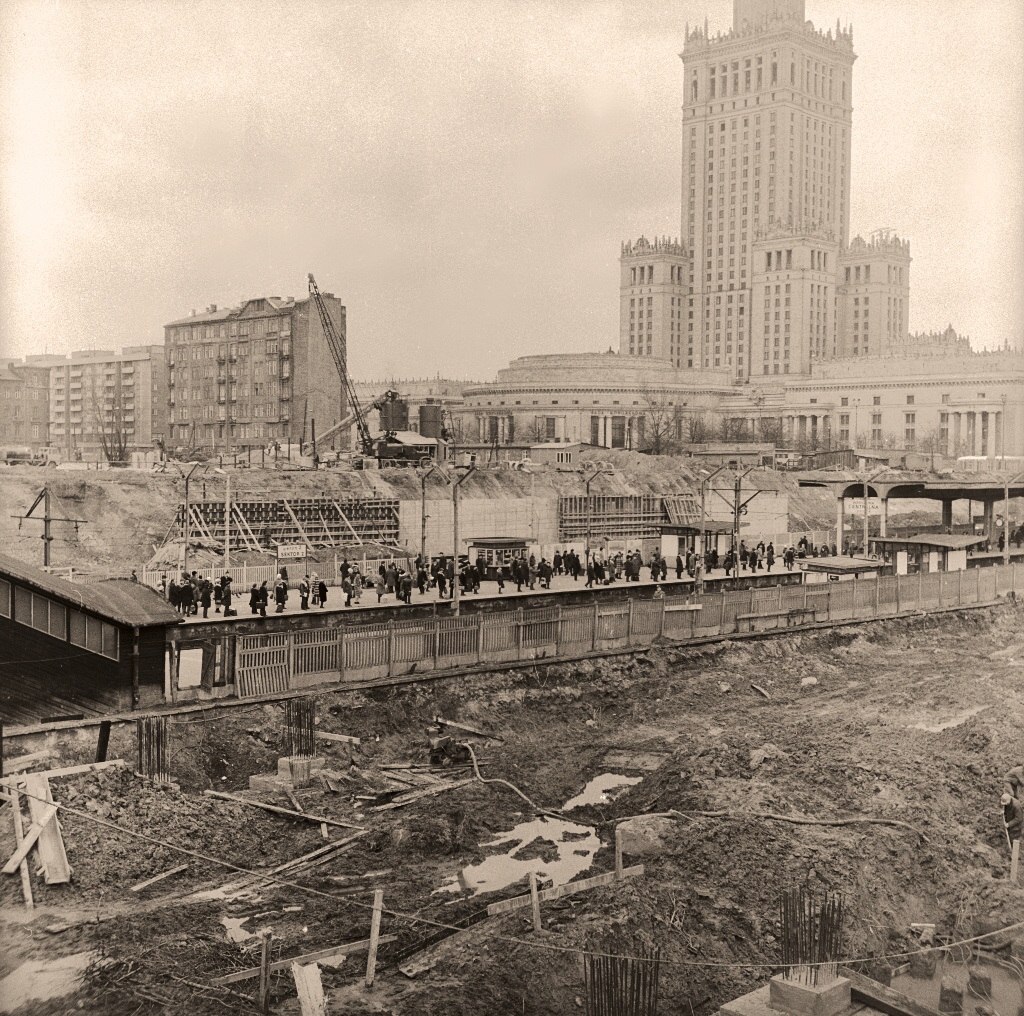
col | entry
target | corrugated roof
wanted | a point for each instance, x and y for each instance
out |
(948, 541)
(128, 604)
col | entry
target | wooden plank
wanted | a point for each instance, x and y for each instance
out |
(322, 819)
(56, 869)
(325, 735)
(881, 998)
(310, 989)
(28, 841)
(371, 955)
(16, 765)
(26, 879)
(557, 892)
(138, 887)
(88, 767)
(415, 795)
(468, 729)
(320, 955)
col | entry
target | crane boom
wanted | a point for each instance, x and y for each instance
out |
(338, 353)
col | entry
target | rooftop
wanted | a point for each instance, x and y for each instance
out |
(124, 603)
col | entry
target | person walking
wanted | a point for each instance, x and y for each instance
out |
(185, 597)
(346, 588)
(679, 566)
(280, 594)
(381, 586)
(264, 598)
(769, 555)
(304, 593)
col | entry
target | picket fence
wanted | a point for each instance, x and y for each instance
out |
(282, 662)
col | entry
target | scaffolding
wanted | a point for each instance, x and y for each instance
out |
(638, 515)
(314, 521)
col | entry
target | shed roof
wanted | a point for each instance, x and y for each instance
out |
(124, 603)
(840, 565)
(947, 541)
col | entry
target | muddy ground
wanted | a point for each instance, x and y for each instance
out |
(907, 720)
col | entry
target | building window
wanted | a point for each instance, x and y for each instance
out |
(910, 402)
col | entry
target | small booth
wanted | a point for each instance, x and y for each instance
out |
(833, 569)
(678, 539)
(925, 553)
(497, 552)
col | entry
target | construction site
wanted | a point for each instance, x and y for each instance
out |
(547, 803)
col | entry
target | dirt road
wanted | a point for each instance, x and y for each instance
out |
(911, 721)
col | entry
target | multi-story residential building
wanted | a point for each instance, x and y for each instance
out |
(105, 405)
(652, 288)
(253, 375)
(24, 413)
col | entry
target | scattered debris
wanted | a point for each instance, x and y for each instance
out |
(808, 682)
(280, 811)
(415, 795)
(760, 690)
(723, 687)
(469, 730)
(138, 887)
(766, 751)
(328, 955)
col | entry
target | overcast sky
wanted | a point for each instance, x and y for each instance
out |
(460, 174)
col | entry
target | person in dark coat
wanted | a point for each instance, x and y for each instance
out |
(225, 597)
(185, 597)
(304, 593)
(173, 596)
(1013, 816)
(205, 597)
(254, 598)
(322, 593)
(280, 594)
(264, 594)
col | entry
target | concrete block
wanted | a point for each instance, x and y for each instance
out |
(809, 1000)
(979, 983)
(924, 964)
(951, 997)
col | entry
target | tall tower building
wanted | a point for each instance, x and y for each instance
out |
(874, 295)
(766, 144)
(652, 288)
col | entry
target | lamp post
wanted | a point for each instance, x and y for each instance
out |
(188, 534)
(455, 527)
(431, 467)
(867, 480)
(703, 520)
(1006, 510)
(595, 470)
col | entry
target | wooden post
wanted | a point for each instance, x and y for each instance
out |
(19, 835)
(103, 742)
(535, 901)
(391, 647)
(371, 956)
(479, 638)
(437, 639)
(265, 972)
(618, 852)
(519, 633)
(597, 622)
(1, 749)
(1014, 861)
(310, 989)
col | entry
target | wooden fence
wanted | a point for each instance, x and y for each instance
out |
(277, 663)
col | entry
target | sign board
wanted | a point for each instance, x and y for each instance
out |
(291, 551)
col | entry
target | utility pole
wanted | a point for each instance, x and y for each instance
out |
(597, 470)
(187, 476)
(455, 526)
(703, 526)
(431, 468)
(1006, 510)
(44, 498)
(867, 480)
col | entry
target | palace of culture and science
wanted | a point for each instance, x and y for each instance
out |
(766, 312)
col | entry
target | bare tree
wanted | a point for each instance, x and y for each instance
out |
(933, 443)
(110, 423)
(770, 428)
(697, 428)
(659, 425)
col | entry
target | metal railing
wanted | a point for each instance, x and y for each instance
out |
(277, 663)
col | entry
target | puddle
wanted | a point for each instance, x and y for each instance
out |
(40, 980)
(235, 931)
(953, 721)
(1006, 987)
(600, 790)
(570, 847)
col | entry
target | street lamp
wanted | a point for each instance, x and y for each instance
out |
(1006, 510)
(455, 527)
(188, 534)
(595, 470)
(867, 480)
(703, 520)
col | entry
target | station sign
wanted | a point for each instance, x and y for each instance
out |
(291, 551)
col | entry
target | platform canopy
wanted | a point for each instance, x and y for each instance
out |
(898, 483)
(943, 541)
(840, 565)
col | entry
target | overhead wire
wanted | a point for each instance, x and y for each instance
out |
(508, 939)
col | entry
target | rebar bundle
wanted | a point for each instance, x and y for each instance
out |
(812, 935)
(153, 748)
(622, 986)
(300, 734)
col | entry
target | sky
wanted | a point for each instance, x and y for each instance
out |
(460, 174)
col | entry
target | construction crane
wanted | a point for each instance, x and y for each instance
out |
(356, 414)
